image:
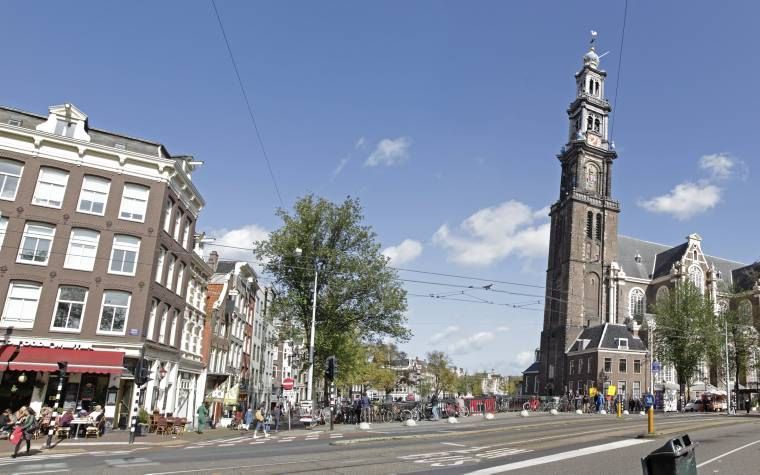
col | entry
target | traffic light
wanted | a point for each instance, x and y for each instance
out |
(331, 368)
(142, 374)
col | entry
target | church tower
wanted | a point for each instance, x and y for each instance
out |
(584, 223)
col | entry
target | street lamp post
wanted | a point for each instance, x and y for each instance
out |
(309, 388)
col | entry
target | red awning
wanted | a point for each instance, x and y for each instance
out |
(32, 358)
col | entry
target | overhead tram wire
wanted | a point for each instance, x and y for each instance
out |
(248, 105)
(617, 78)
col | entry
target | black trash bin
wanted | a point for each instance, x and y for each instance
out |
(677, 457)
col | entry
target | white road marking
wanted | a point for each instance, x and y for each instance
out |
(225, 445)
(215, 469)
(64, 470)
(453, 444)
(132, 462)
(559, 457)
(728, 453)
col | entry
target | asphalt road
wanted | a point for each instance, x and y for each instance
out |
(566, 444)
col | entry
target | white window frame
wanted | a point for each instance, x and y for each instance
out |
(3, 229)
(96, 190)
(180, 277)
(6, 176)
(50, 190)
(168, 207)
(637, 293)
(39, 236)
(162, 326)
(134, 196)
(177, 226)
(75, 253)
(126, 316)
(695, 271)
(124, 247)
(173, 330)
(186, 235)
(170, 272)
(622, 343)
(58, 301)
(20, 322)
(152, 319)
(160, 265)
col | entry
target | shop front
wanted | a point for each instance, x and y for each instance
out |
(30, 376)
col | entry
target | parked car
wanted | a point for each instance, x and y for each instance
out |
(696, 405)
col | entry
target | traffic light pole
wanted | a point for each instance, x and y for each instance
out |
(51, 426)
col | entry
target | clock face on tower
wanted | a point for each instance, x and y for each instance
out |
(593, 139)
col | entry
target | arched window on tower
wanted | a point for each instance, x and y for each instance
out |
(638, 303)
(599, 226)
(662, 294)
(590, 225)
(590, 89)
(597, 89)
(697, 278)
(597, 125)
(745, 310)
(592, 177)
(590, 123)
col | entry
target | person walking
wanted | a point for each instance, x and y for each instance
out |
(25, 426)
(365, 405)
(248, 419)
(436, 409)
(202, 416)
(260, 423)
(277, 416)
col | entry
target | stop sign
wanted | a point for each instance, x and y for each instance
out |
(287, 384)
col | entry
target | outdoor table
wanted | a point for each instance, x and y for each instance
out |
(78, 423)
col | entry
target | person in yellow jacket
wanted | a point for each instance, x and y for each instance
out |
(260, 423)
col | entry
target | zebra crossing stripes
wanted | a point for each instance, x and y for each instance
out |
(451, 458)
(33, 458)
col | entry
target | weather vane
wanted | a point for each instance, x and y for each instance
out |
(593, 37)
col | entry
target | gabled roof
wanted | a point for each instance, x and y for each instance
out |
(605, 337)
(746, 277)
(533, 369)
(225, 267)
(655, 260)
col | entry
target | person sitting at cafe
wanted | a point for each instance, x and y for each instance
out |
(7, 420)
(66, 418)
(96, 414)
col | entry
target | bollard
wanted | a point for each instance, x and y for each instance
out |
(619, 409)
(650, 421)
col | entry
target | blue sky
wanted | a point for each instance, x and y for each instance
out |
(430, 112)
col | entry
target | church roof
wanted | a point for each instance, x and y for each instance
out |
(534, 368)
(655, 260)
(606, 337)
(746, 277)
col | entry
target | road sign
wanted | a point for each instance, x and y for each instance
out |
(648, 401)
(656, 366)
(612, 390)
(287, 384)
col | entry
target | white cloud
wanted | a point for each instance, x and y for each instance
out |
(719, 165)
(360, 144)
(471, 343)
(242, 237)
(494, 233)
(390, 152)
(524, 359)
(340, 167)
(407, 251)
(442, 335)
(685, 200)
(502, 329)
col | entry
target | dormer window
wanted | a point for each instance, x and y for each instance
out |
(15, 122)
(638, 258)
(622, 343)
(65, 128)
(120, 146)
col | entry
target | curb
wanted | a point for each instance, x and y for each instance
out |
(659, 435)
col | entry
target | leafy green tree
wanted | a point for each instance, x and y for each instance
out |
(425, 388)
(358, 295)
(444, 379)
(742, 335)
(686, 331)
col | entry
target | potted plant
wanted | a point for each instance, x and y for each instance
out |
(142, 426)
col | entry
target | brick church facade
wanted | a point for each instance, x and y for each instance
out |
(601, 285)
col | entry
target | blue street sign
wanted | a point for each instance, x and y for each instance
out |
(648, 401)
(656, 366)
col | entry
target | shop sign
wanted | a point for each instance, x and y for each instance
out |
(74, 345)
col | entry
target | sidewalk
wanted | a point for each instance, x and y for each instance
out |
(120, 438)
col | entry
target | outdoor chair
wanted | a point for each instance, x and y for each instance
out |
(152, 421)
(161, 426)
(95, 430)
(63, 432)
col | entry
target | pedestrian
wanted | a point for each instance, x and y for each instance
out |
(434, 402)
(24, 429)
(248, 419)
(277, 417)
(260, 423)
(747, 405)
(358, 409)
(585, 404)
(202, 416)
(365, 405)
